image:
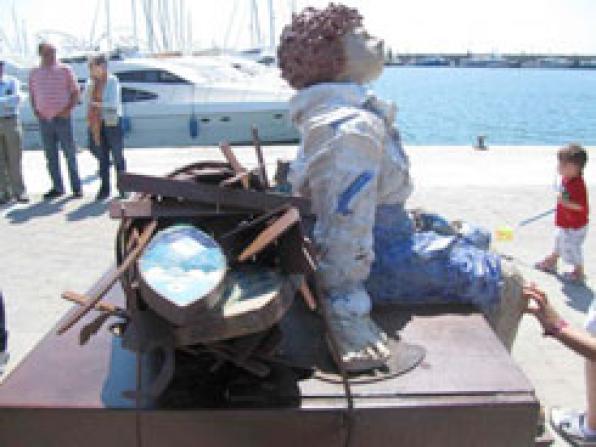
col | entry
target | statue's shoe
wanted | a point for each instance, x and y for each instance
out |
(362, 345)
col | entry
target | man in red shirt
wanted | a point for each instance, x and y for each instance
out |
(571, 217)
(54, 92)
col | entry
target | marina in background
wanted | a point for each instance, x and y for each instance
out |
(491, 60)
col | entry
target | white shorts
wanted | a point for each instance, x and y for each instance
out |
(568, 244)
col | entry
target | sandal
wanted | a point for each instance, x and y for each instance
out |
(546, 266)
(573, 278)
(569, 425)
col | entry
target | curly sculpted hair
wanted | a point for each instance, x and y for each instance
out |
(310, 49)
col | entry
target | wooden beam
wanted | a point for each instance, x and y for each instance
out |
(271, 233)
(308, 296)
(241, 177)
(81, 300)
(262, 169)
(210, 194)
(153, 209)
(108, 282)
(234, 163)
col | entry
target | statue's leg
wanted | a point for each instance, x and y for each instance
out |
(362, 345)
(507, 314)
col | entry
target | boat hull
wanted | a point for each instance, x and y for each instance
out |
(172, 130)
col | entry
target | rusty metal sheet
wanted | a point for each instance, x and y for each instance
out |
(209, 194)
(151, 209)
(468, 391)
(67, 427)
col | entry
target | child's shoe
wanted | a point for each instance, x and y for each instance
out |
(546, 266)
(569, 425)
(574, 278)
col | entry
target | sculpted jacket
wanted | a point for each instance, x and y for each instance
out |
(352, 166)
(350, 161)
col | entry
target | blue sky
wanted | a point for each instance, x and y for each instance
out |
(565, 26)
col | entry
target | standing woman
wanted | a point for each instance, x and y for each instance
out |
(104, 113)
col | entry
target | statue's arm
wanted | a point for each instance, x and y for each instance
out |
(342, 176)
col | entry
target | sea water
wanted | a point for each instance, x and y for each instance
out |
(452, 106)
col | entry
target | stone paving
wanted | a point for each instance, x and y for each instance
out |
(48, 247)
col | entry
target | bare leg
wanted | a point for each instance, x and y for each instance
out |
(591, 393)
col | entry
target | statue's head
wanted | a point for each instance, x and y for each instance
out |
(328, 45)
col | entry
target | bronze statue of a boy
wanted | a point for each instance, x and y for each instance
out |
(352, 166)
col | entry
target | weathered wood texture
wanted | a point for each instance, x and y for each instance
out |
(209, 194)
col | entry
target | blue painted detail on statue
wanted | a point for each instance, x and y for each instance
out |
(335, 124)
(426, 267)
(344, 199)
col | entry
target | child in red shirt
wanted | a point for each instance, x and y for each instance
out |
(571, 218)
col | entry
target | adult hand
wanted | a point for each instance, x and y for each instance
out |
(539, 306)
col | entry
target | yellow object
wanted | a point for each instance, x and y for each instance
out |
(504, 234)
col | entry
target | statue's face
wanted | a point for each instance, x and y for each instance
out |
(364, 57)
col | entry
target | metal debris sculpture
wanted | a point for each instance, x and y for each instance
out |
(210, 260)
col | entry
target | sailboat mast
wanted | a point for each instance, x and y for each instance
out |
(271, 25)
(133, 6)
(109, 25)
(255, 26)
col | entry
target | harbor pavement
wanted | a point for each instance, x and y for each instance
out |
(49, 247)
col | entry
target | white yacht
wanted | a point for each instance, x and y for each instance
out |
(184, 101)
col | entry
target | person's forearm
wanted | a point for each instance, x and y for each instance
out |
(33, 107)
(566, 203)
(104, 106)
(111, 98)
(572, 206)
(578, 340)
(74, 98)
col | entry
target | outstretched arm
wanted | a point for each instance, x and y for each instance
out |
(574, 206)
(578, 340)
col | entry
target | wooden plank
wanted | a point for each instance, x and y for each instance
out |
(243, 177)
(271, 233)
(210, 194)
(151, 209)
(81, 300)
(109, 281)
(234, 163)
(261, 160)
(308, 296)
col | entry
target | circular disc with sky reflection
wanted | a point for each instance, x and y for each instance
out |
(182, 264)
